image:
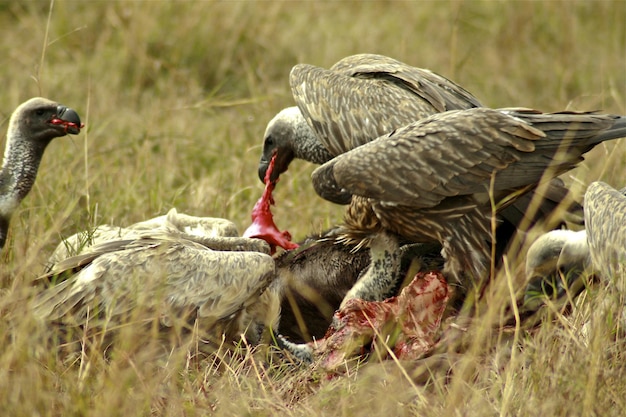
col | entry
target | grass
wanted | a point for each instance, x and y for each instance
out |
(176, 96)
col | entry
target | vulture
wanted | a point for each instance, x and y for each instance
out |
(359, 99)
(364, 97)
(312, 280)
(309, 282)
(555, 262)
(562, 256)
(179, 280)
(441, 178)
(173, 222)
(31, 128)
(605, 223)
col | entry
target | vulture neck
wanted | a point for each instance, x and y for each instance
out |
(307, 145)
(17, 176)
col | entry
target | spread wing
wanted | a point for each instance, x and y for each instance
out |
(439, 92)
(455, 153)
(423, 163)
(366, 96)
(153, 272)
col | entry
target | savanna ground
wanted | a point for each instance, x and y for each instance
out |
(176, 96)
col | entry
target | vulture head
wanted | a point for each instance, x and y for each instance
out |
(32, 127)
(289, 136)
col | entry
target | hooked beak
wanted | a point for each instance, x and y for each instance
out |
(263, 165)
(281, 163)
(68, 118)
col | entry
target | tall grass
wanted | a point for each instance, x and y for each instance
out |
(176, 96)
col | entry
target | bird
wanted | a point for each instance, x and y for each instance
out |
(363, 97)
(173, 222)
(180, 280)
(605, 224)
(556, 262)
(441, 178)
(563, 256)
(32, 126)
(309, 282)
(312, 280)
(605, 213)
(358, 99)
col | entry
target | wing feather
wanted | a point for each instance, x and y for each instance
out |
(605, 222)
(446, 155)
(457, 152)
(157, 271)
(439, 92)
(365, 96)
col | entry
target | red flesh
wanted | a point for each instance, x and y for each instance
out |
(66, 124)
(411, 320)
(263, 226)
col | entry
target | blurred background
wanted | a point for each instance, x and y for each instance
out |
(176, 95)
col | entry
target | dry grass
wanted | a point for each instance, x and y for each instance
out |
(176, 96)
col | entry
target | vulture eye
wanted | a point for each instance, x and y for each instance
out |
(39, 112)
(269, 141)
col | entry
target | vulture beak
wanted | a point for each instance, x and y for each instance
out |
(263, 165)
(68, 118)
(281, 163)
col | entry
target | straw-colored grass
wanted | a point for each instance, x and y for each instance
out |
(176, 96)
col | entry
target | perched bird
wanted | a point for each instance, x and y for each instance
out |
(359, 99)
(441, 178)
(605, 223)
(214, 284)
(31, 128)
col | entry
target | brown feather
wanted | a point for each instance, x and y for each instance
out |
(166, 274)
(459, 151)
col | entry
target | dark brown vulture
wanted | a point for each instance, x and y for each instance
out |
(440, 179)
(359, 99)
(364, 97)
(312, 280)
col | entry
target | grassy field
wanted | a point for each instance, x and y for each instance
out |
(176, 96)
